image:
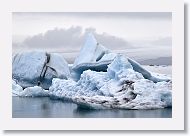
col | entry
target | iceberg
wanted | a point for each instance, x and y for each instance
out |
(38, 68)
(98, 79)
(96, 57)
(120, 87)
(92, 56)
(27, 67)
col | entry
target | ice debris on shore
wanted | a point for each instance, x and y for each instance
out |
(99, 79)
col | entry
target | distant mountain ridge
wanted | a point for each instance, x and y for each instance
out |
(157, 61)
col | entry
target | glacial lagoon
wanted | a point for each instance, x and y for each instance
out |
(44, 107)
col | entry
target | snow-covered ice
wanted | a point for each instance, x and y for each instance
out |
(35, 91)
(96, 90)
(119, 87)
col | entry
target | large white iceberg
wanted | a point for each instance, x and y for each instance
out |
(38, 68)
(119, 87)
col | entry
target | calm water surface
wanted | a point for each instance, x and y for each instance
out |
(43, 107)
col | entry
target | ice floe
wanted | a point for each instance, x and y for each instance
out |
(35, 91)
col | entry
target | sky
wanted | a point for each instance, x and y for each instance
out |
(141, 35)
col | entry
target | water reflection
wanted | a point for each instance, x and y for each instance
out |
(46, 108)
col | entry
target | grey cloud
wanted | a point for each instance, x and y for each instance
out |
(65, 39)
(71, 40)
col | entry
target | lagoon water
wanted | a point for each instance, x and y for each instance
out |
(44, 107)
